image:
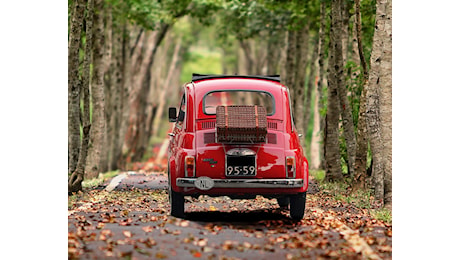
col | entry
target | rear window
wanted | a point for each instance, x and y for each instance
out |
(237, 97)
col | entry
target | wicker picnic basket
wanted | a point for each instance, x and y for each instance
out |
(241, 124)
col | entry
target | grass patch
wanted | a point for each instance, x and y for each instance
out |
(99, 180)
(362, 198)
(382, 214)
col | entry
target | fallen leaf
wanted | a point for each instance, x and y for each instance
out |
(127, 233)
(148, 228)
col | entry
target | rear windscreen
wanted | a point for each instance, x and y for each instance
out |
(237, 98)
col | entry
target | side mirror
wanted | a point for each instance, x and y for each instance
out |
(172, 114)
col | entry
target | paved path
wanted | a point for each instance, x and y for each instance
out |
(129, 219)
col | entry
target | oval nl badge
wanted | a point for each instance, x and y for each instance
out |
(204, 183)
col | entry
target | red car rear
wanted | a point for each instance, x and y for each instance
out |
(234, 136)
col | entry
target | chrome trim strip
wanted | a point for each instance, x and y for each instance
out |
(245, 183)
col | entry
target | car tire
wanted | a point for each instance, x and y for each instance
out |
(283, 202)
(176, 200)
(297, 206)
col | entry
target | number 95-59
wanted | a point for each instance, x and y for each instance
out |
(241, 170)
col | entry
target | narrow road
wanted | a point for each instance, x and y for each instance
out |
(128, 218)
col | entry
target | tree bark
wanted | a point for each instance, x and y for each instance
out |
(315, 155)
(108, 50)
(300, 70)
(347, 117)
(131, 59)
(289, 77)
(74, 84)
(320, 81)
(375, 102)
(273, 52)
(98, 126)
(116, 90)
(310, 85)
(249, 60)
(76, 179)
(166, 87)
(359, 180)
(137, 99)
(386, 104)
(332, 153)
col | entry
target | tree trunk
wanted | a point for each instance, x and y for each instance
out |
(375, 100)
(98, 127)
(116, 89)
(332, 153)
(310, 85)
(130, 65)
(77, 176)
(386, 105)
(289, 77)
(74, 84)
(347, 117)
(108, 50)
(359, 180)
(273, 52)
(321, 79)
(300, 70)
(137, 100)
(260, 55)
(345, 14)
(166, 87)
(249, 60)
(315, 155)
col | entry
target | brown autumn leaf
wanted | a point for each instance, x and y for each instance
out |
(207, 249)
(127, 233)
(184, 223)
(148, 228)
(100, 225)
(160, 255)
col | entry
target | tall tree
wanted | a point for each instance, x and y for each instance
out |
(386, 104)
(332, 153)
(138, 97)
(301, 61)
(74, 83)
(98, 126)
(77, 176)
(379, 102)
(359, 179)
(345, 109)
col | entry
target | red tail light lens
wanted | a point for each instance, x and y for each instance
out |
(189, 166)
(290, 167)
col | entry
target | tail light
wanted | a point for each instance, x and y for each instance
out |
(290, 167)
(189, 166)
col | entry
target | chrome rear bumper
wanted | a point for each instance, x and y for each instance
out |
(242, 183)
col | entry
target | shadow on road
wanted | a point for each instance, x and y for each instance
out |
(245, 217)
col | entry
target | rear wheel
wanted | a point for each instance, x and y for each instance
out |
(283, 202)
(176, 201)
(297, 205)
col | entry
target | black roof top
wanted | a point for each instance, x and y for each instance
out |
(196, 77)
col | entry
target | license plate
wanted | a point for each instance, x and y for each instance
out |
(241, 166)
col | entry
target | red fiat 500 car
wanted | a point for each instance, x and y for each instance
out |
(234, 136)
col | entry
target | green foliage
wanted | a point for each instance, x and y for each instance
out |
(99, 180)
(201, 60)
(318, 175)
(382, 214)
